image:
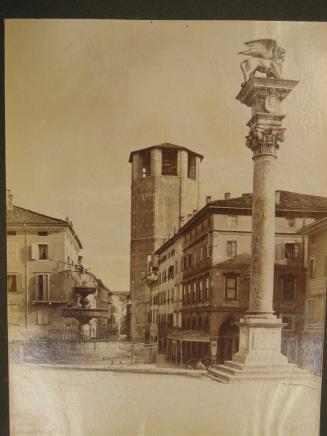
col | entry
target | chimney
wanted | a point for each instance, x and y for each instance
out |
(277, 197)
(80, 259)
(194, 211)
(189, 215)
(227, 195)
(10, 197)
(208, 199)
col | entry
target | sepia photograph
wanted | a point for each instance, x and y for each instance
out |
(166, 218)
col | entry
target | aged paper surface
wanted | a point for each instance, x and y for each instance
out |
(141, 301)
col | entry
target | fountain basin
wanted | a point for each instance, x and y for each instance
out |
(83, 315)
(84, 291)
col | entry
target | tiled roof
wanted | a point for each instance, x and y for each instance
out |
(314, 227)
(240, 261)
(20, 215)
(165, 145)
(287, 201)
(243, 261)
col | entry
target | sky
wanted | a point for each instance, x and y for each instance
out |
(80, 95)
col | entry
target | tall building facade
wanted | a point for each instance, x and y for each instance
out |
(40, 249)
(43, 265)
(315, 305)
(165, 193)
(211, 254)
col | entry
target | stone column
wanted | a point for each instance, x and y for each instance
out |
(260, 329)
(259, 356)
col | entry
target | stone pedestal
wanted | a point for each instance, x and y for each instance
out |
(260, 341)
(259, 356)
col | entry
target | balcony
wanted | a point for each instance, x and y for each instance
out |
(290, 254)
(49, 302)
(198, 268)
(229, 303)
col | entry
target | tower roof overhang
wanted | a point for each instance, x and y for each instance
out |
(165, 145)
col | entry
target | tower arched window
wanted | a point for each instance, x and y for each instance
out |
(169, 162)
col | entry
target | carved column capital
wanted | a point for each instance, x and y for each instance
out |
(263, 140)
(264, 96)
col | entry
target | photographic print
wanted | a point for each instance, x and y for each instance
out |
(166, 226)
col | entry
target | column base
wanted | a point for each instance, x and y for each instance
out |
(259, 357)
(260, 340)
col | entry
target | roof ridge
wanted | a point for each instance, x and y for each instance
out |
(43, 215)
(302, 194)
(250, 194)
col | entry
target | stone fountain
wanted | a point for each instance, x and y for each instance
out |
(82, 311)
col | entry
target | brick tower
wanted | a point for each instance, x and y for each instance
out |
(165, 192)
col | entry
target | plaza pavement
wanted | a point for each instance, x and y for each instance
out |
(51, 402)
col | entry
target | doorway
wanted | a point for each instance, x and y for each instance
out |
(228, 340)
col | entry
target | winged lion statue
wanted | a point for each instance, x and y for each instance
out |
(266, 57)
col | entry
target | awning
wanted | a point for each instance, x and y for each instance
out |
(189, 336)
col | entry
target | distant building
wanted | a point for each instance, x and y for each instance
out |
(119, 311)
(128, 318)
(103, 300)
(42, 257)
(213, 258)
(165, 281)
(315, 305)
(165, 192)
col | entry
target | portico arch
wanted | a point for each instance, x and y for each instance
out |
(228, 339)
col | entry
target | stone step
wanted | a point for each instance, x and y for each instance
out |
(218, 375)
(227, 375)
(226, 369)
(237, 365)
(277, 370)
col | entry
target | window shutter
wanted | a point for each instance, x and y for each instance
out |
(19, 279)
(35, 252)
(47, 280)
(280, 251)
(296, 250)
(50, 252)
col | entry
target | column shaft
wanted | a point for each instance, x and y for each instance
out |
(263, 234)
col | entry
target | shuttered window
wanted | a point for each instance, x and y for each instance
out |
(43, 251)
(40, 252)
(230, 288)
(231, 248)
(12, 283)
(42, 287)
